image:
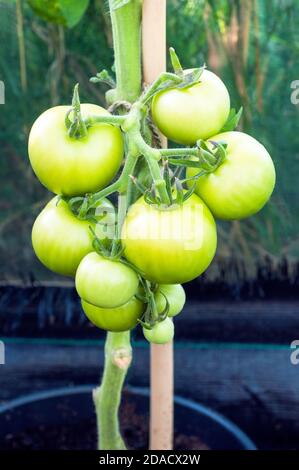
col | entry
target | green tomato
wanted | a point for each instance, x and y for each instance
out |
(71, 166)
(105, 283)
(60, 240)
(243, 183)
(172, 245)
(175, 296)
(121, 318)
(161, 333)
(197, 112)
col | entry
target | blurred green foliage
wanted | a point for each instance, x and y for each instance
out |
(252, 44)
(65, 12)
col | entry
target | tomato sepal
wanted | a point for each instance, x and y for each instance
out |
(232, 120)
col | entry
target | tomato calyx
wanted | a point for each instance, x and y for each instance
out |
(167, 80)
(76, 126)
(109, 248)
(232, 120)
(208, 158)
(83, 207)
(188, 79)
(176, 193)
(151, 316)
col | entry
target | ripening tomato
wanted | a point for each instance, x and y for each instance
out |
(243, 183)
(186, 115)
(70, 166)
(175, 295)
(60, 240)
(104, 282)
(121, 318)
(170, 245)
(161, 333)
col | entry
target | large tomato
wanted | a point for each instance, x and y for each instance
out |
(60, 240)
(71, 166)
(104, 282)
(186, 115)
(170, 245)
(243, 183)
(121, 318)
(176, 298)
(161, 333)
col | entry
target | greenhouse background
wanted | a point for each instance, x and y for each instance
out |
(254, 52)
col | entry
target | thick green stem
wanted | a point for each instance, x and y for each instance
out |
(115, 120)
(126, 29)
(121, 183)
(107, 397)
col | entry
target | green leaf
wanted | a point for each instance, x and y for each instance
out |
(65, 12)
(232, 120)
(103, 77)
(191, 78)
(119, 3)
(73, 10)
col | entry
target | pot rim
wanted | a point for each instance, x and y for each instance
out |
(225, 423)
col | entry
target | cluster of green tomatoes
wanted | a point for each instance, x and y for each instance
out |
(160, 246)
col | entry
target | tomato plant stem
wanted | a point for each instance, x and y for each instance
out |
(121, 183)
(115, 120)
(107, 397)
(126, 22)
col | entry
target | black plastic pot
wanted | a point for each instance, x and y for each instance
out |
(72, 408)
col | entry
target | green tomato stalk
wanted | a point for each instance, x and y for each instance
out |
(107, 397)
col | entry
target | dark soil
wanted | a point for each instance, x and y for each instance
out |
(81, 434)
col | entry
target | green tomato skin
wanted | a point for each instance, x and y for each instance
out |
(243, 183)
(175, 295)
(170, 246)
(116, 319)
(197, 112)
(161, 333)
(70, 166)
(60, 240)
(105, 283)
